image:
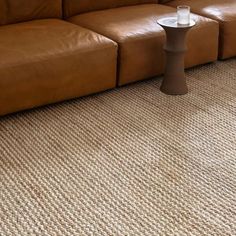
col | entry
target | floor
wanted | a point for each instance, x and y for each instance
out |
(131, 161)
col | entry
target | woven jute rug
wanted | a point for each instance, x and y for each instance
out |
(131, 161)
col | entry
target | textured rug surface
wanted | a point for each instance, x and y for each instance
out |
(130, 161)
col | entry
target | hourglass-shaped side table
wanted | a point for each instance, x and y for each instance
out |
(174, 82)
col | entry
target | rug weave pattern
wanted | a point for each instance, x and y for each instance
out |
(131, 161)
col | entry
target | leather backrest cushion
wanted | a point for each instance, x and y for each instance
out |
(13, 11)
(73, 7)
(164, 1)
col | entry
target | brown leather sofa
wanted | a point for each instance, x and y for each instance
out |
(223, 11)
(53, 50)
(133, 26)
(44, 59)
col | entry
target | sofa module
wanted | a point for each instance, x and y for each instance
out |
(47, 60)
(223, 11)
(139, 37)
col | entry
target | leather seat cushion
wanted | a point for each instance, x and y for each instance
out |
(46, 61)
(141, 40)
(224, 11)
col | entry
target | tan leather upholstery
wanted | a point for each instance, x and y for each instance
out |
(141, 40)
(46, 61)
(73, 7)
(164, 1)
(13, 11)
(224, 11)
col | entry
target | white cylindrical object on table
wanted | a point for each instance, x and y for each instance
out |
(183, 15)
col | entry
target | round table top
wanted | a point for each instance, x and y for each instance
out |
(172, 23)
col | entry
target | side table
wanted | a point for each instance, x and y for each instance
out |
(174, 82)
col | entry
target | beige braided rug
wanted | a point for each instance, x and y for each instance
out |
(131, 161)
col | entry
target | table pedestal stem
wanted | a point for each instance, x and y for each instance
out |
(174, 82)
